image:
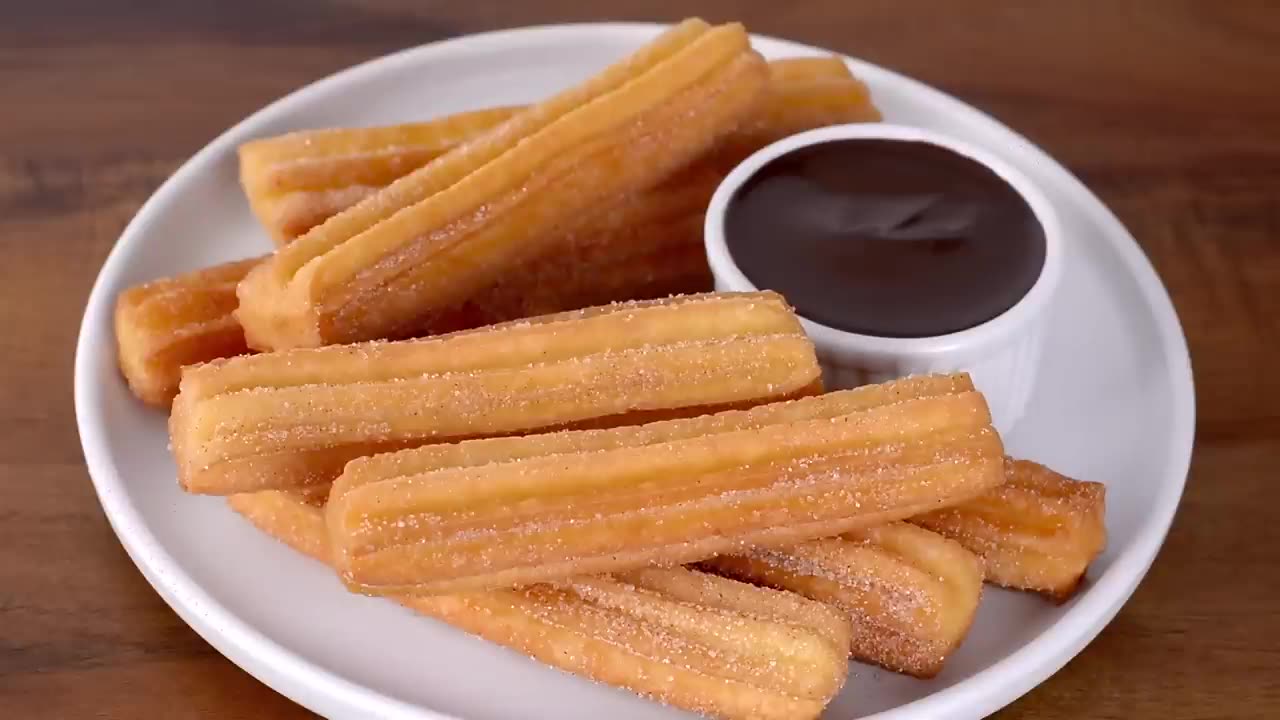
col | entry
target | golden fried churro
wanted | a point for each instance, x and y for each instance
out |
(434, 237)
(298, 180)
(804, 93)
(520, 510)
(910, 594)
(293, 418)
(165, 324)
(293, 517)
(646, 247)
(685, 638)
(1038, 531)
(682, 637)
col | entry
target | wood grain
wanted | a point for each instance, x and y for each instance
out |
(1169, 110)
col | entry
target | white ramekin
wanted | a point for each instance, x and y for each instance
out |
(1001, 354)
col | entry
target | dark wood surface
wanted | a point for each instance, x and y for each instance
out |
(1169, 110)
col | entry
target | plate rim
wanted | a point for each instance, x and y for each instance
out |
(322, 690)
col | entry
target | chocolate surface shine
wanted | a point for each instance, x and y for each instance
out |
(890, 238)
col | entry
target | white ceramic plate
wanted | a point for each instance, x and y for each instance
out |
(1115, 404)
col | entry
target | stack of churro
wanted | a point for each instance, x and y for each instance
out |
(493, 388)
(646, 245)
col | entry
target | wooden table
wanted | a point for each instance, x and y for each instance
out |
(1169, 110)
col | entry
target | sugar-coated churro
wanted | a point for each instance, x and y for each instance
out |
(1038, 531)
(910, 594)
(645, 247)
(298, 180)
(294, 517)
(681, 637)
(433, 238)
(165, 324)
(520, 510)
(804, 93)
(689, 639)
(294, 418)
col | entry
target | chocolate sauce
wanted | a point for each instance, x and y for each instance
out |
(886, 237)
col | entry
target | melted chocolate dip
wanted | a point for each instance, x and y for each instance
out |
(886, 237)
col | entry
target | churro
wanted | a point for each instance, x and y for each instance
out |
(689, 639)
(681, 637)
(520, 510)
(293, 517)
(294, 418)
(1039, 531)
(910, 594)
(645, 247)
(298, 180)
(804, 93)
(433, 238)
(165, 324)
